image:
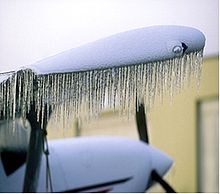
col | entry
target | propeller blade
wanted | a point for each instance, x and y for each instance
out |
(141, 123)
(156, 177)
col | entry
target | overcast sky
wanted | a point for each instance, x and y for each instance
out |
(31, 30)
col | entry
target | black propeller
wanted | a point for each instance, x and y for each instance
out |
(141, 123)
(156, 177)
(143, 135)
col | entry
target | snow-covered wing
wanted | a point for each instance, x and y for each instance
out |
(115, 71)
(142, 45)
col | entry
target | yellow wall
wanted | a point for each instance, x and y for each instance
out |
(172, 128)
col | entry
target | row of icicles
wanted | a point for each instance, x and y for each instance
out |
(86, 94)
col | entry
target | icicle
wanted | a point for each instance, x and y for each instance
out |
(198, 63)
(76, 94)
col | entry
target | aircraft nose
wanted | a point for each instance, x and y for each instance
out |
(161, 162)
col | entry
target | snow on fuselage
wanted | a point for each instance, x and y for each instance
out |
(95, 164)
